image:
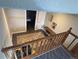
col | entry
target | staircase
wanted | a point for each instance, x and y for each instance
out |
(31, 49)
(57, 53)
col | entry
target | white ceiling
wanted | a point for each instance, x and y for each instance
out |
(63, 6)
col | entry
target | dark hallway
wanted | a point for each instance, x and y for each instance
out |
(31, 16)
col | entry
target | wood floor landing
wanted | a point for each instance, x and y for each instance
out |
(29, 37)
(19, 38)
(58, 53)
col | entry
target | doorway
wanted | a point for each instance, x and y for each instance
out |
(31, 16)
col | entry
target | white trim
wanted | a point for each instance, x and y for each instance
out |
(40, 19)
(25, 21)
(36, 20)
(4, 15)
(7, 28)
(25, 29)
(17, 32)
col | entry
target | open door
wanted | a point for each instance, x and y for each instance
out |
(31, 16)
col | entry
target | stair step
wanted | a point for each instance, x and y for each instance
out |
(57, 53)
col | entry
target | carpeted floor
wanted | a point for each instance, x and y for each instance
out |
(29, 37)
(58, 53)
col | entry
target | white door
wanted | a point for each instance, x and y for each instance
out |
(40, 18)
(16, 20)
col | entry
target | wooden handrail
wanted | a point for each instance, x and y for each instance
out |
(47, 29)
(73, 35)
(19, 45)
(41, 44)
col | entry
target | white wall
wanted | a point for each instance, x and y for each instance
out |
(6, 32)
(40, 18)
(16, 20)
(5, 39)
(64, 22)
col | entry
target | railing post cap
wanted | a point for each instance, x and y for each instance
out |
(70, 29)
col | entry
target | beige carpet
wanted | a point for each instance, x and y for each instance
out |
(29, 37)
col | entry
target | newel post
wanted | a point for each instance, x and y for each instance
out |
(69, 30)
(66, 34)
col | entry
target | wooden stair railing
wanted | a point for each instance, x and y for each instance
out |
(75, 37)
(49, 31)
(35, 47)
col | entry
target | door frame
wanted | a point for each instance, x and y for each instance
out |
(35, 19)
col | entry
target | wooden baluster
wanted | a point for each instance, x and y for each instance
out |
(34, 48)
(6, 54)
(45, 45)
(48, 42)
(66, 35)
(56, 41)
(40, 46)
(37, 48)
(14, 54)
(27, 50)
(53, 43)
(37, 44)
(59, 38)
(18, 53)
(24, 50)
(21, 52)
(32, 44)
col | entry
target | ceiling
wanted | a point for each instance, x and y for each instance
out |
(62, 6)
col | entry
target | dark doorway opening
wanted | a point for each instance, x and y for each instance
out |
(31, 16)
